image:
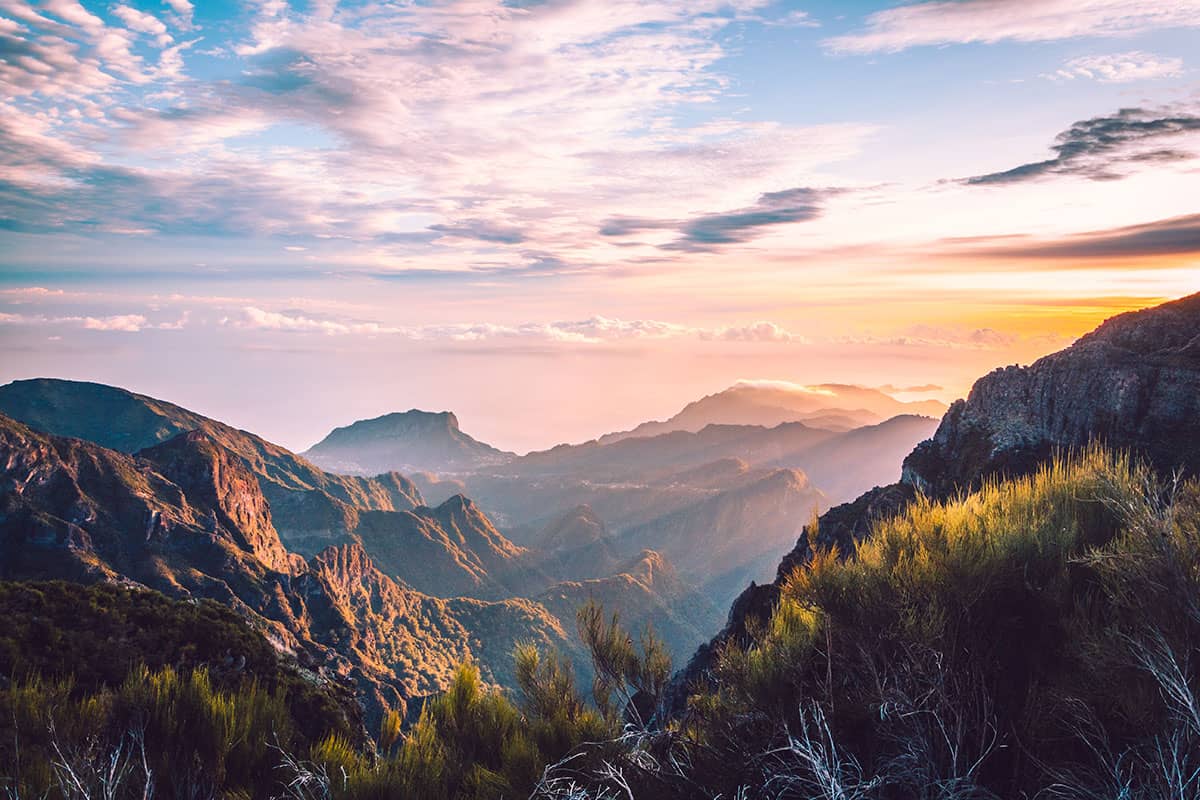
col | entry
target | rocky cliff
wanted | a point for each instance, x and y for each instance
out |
(1133, 384)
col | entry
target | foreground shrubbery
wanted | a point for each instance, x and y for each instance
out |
(1039, 637)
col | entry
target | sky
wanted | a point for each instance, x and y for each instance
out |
(558, 218)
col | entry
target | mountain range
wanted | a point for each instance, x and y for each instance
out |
(360, 580)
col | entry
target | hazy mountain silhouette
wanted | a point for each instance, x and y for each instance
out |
(408, 441)
(833, 406)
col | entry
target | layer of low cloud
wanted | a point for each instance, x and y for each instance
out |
(1127, 67)
(1110, 147)
(991, 21)
(124, 323)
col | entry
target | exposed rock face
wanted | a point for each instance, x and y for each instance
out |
(413, 441)
(1133, 383)
(217, 480)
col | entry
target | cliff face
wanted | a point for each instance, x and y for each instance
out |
(1133, 383)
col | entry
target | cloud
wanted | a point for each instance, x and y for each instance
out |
(755, 332)
(991, 21)
(255, 318)
(924, 388)
(143, 22)
(1104, 148)
(130, 323)
(950, 338)
(710, 231)
(459, 137)
(1119, 68)
(1169, 237)
(481, 230)
(125, 323)
(588, 331)
(184, 9)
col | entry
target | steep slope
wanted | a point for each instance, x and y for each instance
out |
(733, 537)
(1133, 384)
(576, 545)
(310, 506)
(645, 591)
(770, 403)
(447, 551)
(187, 518)
(418, 441)
(858, 459)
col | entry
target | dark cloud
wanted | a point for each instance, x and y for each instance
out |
(1175, 236)
(710, 231)
(1095, 148)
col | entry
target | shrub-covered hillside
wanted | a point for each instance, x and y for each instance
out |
(1039, 636)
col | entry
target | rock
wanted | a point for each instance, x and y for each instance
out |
(1132, 384)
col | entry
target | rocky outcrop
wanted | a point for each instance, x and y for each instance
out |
(1133, 383)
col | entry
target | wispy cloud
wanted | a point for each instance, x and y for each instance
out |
(990, 21)
(1134, 65)
(1178, 236)
(459, 136)
(710, 231)
(1107, 148)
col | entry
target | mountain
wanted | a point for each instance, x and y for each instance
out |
(311, 508)
(644, 591)
(448, 551)
(577, 545)
(672, 452)
(1132, 384)
(833, 406)
(412, 441)
(732, 537)
(188, 518)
